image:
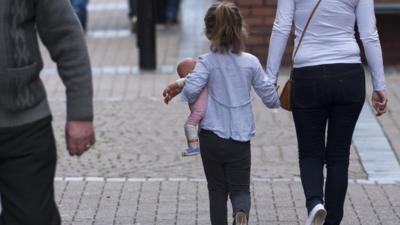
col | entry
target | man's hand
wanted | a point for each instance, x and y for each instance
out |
(79, 137)
(379, 102)
(172, 90)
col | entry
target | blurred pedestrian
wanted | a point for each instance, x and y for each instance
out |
(328, 91)
(161, 6)
(167, 11)
(171, 11)
(80, 7)
(133, 15)
(27, 146)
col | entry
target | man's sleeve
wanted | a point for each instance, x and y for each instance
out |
(61, 33)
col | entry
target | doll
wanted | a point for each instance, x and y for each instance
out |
(197, 108)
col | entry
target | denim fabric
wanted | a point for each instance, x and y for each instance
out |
(172, 8)
(132, 8)
(80, 7)
(326, 97)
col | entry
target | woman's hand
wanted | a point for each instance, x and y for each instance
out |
(379, 102)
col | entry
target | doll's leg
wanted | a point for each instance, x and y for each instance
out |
(198, 109)
(191, 133)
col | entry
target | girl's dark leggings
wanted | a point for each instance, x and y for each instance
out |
(227, 167)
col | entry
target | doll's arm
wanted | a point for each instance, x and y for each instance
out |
(173, 89)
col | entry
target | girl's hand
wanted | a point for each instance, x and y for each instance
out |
(379, 102)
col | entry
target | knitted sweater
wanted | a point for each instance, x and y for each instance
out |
(22, 94)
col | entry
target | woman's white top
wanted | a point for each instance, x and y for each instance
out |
(330, 37)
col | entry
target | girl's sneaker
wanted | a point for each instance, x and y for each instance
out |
(317, 215)
(191, 151)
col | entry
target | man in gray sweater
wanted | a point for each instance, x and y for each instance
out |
(27, 146)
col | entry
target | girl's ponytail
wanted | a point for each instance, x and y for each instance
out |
(225, 28)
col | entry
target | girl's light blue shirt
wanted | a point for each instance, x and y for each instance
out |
(229, 78)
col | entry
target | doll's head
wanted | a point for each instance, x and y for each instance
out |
(185, 67)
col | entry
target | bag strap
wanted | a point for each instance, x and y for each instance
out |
(303, 34)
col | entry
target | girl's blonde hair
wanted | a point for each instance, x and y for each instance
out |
(225, 28)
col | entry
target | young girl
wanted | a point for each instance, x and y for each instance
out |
(228, 124)
(197, 108)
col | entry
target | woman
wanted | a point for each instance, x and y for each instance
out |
(328, 91)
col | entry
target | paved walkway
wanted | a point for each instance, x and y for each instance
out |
(135, 174)
(183, 202)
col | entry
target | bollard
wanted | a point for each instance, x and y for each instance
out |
(146, 34)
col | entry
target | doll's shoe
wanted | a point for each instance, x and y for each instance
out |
(191, 151)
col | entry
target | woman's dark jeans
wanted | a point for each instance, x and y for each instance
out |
(326, 97)
(227, 167)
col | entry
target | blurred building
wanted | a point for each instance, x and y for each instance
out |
(260, 15)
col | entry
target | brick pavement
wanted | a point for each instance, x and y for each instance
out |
(141, 138)
(185, 203)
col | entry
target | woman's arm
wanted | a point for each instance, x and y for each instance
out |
(366, 22)
(279, 37)
(196, 81)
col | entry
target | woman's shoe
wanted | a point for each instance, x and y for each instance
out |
(240, 218)
(317, 215)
